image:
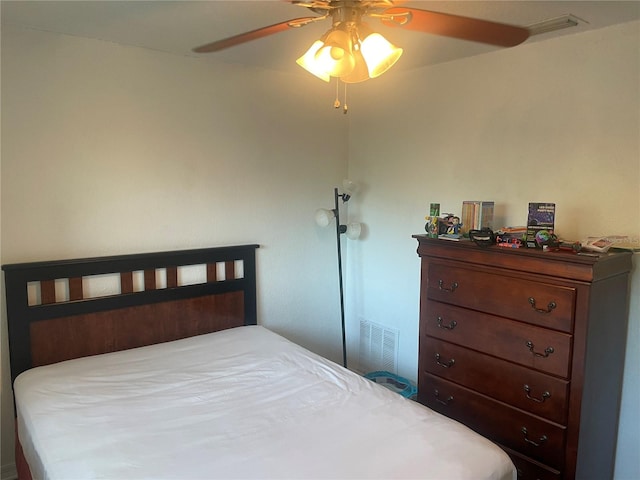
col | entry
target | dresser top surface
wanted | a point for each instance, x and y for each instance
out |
(582, 267)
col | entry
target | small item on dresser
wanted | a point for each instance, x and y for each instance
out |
(477, 215)
(482, 238)
(432, 226)
(510, 243)
(565, 246)
(547, 240)
(597, 244)
(570, 246)
(433, 221)
(449, 236)
(444, 222)
(511, 237)
(453, 226)
(540, 223)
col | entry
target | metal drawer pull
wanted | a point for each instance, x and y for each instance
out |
(550, 306)
(542, 439)
(547, 351)
(545, 395)
(446, 401)
(451, 326)
(448, 364)
(454, 285)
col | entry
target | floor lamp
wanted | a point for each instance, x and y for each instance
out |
(352, 231)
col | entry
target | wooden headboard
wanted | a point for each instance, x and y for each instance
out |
(56, 312)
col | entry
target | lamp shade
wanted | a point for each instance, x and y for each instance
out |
(324, 217)
(360, 71)
(310, 64)
(351, 52)
(336, 57)
(353, 231)
(379, 54)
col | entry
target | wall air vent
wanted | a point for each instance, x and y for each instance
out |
(378, 347)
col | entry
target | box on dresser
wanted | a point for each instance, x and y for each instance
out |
(527, 348)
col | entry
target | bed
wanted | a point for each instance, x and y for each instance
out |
(167, 374)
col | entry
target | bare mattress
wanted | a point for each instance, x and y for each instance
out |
(240, 403)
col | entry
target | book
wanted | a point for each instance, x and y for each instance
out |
(468, 216)
(486, 215)
(476, 215)
(522, 230)
(449, 236)
(540, 223)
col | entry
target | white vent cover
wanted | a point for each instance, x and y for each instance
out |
(378, 347)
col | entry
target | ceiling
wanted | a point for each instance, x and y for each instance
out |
(177, 26)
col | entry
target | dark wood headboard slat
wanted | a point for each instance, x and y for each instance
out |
(149, 279)
(75, 289)
(47, 292)
(229, 270)
(212, 272)
(126, 282)
(172, 277)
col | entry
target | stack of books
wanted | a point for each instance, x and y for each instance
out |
(476, 215)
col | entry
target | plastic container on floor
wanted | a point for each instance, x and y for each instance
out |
(394, 382)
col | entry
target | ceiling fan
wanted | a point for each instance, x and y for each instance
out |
(353, 52)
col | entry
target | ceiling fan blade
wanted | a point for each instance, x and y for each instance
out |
(254, 35)
(465, 28)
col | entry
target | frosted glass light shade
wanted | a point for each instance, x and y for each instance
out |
(309, 62)
(335, 57)
(342, 53)
(379, 53)
(324, 217)
(360, 71)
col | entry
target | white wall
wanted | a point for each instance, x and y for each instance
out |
(109, 149)
(554, 121)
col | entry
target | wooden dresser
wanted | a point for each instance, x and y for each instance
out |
(527, 348)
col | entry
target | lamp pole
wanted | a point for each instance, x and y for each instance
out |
(338, 232)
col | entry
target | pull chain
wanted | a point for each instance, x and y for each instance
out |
(345, 109)
(336, 103)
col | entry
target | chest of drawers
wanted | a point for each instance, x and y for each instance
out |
(527, 348)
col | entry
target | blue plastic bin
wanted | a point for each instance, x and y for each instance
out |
(394, 382)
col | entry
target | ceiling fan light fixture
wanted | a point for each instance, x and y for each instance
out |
(360, 71)
(352, 52)
(336, 55)
(379, 54)
(310, 64)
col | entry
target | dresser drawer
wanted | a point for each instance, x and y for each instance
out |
(543, 304)
(521, 387)
(546, 350)
(529, 469)
(536, 438)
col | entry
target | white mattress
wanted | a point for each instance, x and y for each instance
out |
(242, 403)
